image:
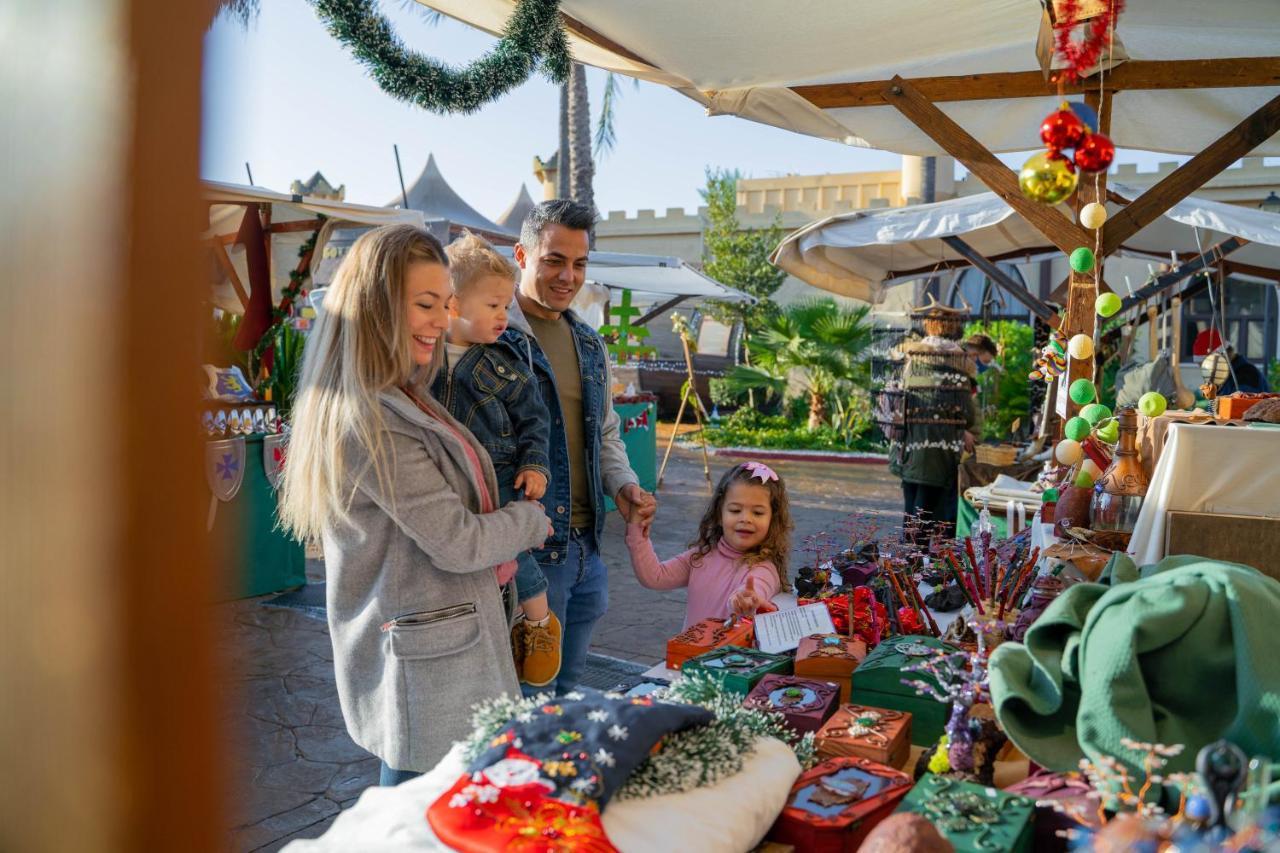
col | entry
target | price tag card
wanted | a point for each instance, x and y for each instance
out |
(781, 631)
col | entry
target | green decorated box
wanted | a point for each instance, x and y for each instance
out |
(973, 817)
(878, 682)
(737, 668)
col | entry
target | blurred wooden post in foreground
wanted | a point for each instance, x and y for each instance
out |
(107, 676)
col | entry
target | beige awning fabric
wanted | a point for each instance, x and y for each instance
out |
(859, 254)
(226, 210)
(741, 59)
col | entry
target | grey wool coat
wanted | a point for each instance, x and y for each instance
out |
(418, 624)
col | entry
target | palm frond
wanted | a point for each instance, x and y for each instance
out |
(429, 16)
(243, 11)
(745, 378)
(606, 130)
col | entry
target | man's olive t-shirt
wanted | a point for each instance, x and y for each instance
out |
(556, 339)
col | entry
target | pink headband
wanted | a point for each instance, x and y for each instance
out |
(761, 470)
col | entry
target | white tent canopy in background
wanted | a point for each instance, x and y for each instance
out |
(653, 276)
(226, 211)
(743, 59)
(859, 254)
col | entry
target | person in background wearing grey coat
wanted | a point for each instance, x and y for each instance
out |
(405, 502)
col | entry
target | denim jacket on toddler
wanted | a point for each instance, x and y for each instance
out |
(494, 394)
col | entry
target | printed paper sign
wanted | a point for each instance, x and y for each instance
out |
(782, 631)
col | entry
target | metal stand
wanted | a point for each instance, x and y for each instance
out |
(690, 393)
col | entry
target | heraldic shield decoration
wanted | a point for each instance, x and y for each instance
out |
(273, 447)
(224, 466)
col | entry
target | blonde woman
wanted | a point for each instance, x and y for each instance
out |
(404, 500)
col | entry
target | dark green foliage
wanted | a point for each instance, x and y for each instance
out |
(736, 257)
(748, 428)
(1005, 395)
(533, 39)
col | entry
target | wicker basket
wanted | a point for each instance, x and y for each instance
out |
(997, 454)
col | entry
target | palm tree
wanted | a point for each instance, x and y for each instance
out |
(582, 167)
(817, 342)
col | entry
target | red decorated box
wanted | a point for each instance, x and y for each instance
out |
(805, 703)
(879, 734)
(703, 636)
(832, 807)
(830, 657)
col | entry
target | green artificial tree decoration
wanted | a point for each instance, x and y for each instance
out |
(621, 334)
(534, 39)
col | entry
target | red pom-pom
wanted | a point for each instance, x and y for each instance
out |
(1095, 153)
(909, 621)
(1062, 129)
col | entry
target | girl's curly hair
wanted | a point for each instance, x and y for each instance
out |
(776, 547)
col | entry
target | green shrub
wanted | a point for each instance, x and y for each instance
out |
(749, 428)
(1005, 395)
(724, 395)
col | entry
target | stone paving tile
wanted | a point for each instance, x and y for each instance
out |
(295, 767)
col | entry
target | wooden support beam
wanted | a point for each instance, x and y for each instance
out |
(957, 142)
(654, 312)
(1190, 176)
(1131, 76)
(1163, 282)
(997, 275)
(224, 261)
(296, 226)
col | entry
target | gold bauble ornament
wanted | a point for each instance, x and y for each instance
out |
(1047, 178)
(1080, 347)
(1092, 215)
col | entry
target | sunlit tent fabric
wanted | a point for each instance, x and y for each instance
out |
(861, 253)
(744, 60)
(657, 275)
(226, 211)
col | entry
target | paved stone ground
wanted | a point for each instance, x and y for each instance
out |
(293, 767)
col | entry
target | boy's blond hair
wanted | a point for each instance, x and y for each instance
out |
(471, 257)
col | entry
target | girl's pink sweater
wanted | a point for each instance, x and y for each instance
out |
(712, 582)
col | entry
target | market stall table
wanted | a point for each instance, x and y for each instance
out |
(1208, 469)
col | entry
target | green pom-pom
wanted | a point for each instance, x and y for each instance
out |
(1083, 480)
(1110, 433)
(1095, 412)
(1082, 392)
(1082, 259)
(1107, 304)
(1078, 429)
(1152, 404)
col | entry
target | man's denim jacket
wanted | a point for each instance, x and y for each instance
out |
(491, 391)
(607, 467)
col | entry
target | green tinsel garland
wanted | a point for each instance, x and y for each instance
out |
(280, 312)
(690, 759)
(533, 38)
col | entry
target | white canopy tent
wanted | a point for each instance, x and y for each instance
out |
(657, 276)
(226, 211)
(860, 254)
(818, 67)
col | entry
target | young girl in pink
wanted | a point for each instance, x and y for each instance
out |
(739, 560)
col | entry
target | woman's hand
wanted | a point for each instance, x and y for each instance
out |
(533, 482)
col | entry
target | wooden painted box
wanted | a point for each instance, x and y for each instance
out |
(703, 636)
(1070, 790)
(805, 703)
(830, 657)
(972, 817)
(878, 682)
(832, 807)
(738, 669)
(879, 734)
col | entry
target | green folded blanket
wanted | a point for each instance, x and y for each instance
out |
(1185, 651)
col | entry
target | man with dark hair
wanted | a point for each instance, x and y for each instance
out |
(588, 459)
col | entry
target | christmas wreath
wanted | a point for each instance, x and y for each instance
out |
(533, 38)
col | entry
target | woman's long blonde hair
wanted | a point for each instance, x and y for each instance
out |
(358, 349)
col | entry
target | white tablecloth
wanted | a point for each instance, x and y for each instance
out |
(728, 817)
(1216, 469)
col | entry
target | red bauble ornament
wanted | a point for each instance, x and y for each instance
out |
(1095, 153)
(1062, 129)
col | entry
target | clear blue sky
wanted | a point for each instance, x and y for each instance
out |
(288, 99)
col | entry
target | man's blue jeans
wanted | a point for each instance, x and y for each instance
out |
(388, 776)
(578, 593)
